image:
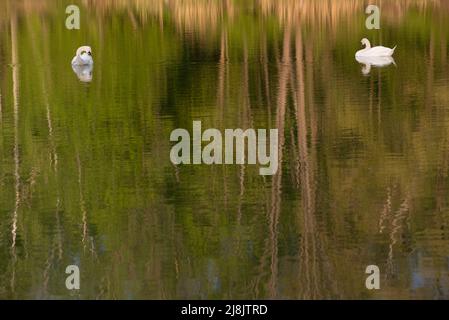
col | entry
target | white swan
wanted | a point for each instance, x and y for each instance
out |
(83, 72)
(378, 51)
(83, 57)
(374, 61)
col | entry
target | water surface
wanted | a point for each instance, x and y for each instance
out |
(86, 178)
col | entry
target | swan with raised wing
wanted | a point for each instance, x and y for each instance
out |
(378, 51)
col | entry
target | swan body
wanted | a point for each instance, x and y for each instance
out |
(83, 72)
(376, 61)
(83, 57)
(378, 51)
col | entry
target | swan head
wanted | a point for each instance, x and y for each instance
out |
(365, 42)
(85, 54)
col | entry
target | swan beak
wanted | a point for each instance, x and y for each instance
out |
(89, 53)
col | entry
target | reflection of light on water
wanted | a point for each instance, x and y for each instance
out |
(417, 280)
(397, 225)
(15, 81)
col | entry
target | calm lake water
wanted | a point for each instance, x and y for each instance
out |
(86, 176)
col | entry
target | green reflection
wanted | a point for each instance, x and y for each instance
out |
(86, 178)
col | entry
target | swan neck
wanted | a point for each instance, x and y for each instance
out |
(367, 45)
